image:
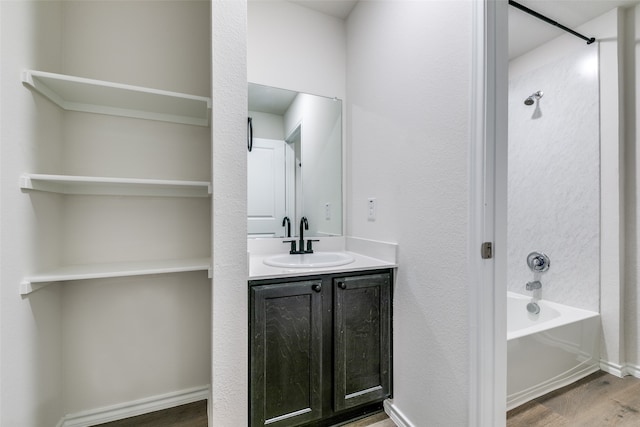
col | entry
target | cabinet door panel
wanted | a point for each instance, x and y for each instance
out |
(362, 339)
(286, 352)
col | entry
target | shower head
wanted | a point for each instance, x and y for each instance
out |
(536, 96)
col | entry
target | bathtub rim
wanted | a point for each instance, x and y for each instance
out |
(568, 315)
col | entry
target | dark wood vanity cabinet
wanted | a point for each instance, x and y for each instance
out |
(286, 353)
(361, 339)
(320, 348)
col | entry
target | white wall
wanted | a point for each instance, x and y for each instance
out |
(408, 132)
(631, 291)
(293, 47)
(554, 178)
(107, 361)
(83, 345)
(31, 334)
(132, 338)
(229, 405)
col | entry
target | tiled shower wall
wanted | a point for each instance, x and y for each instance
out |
(554, 179)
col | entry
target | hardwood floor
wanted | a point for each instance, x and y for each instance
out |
(599, 400)
(195, 415)
(378, 420)
(190, 415)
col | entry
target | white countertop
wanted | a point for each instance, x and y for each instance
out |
(259, 270)
(367, 255)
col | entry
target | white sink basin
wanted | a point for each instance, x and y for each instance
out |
(314, 260)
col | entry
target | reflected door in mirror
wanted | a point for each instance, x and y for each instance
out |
(266, 188)
(311, 128)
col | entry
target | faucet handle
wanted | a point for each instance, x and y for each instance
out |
(293, 246)
(538, 262)
(309, 245)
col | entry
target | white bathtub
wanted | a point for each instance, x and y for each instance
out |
(549, 350)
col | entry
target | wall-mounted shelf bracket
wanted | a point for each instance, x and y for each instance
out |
(26, 287)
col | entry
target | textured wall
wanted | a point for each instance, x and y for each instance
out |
(408, 101)
(230, 378)
(608, 29)
(554, 179)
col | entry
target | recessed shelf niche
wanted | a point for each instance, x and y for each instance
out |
(115, 99)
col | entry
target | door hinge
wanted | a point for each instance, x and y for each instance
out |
(487, 250)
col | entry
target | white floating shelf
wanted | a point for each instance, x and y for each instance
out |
(123, 269)
(90, 185)
(96, 96)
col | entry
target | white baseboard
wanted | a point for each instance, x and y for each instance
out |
(620, 370)
(121, 411)
(395, 414)
(632, 370)
(615, 369)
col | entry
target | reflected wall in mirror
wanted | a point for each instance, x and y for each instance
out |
(295, 164)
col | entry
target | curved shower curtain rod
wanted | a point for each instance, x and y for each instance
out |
(550, 21)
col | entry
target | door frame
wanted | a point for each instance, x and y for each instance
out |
(488, 214)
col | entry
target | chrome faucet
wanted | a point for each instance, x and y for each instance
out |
(532, 286)
(538, 262)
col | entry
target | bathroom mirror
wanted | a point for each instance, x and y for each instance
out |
(294, 162)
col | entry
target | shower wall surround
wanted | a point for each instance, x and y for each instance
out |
(554, 179)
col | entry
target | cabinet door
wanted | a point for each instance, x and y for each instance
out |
(362, 339)
(286, 353)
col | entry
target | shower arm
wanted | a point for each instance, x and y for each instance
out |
(550, 21)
